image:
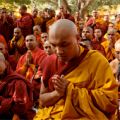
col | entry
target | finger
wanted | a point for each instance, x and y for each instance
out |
(59, 89)
(58, 85)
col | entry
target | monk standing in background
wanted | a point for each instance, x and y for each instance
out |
(26, 21)
(6, 25)
(73, 86)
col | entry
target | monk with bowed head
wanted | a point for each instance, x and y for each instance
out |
(73, 86)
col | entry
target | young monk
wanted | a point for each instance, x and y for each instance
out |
(37, 34)
(15, 94)
(73, 86)
(48, 48)
(29, 62)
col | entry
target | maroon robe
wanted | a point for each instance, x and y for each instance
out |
(26, 24)
(6, 28)
(52, 66)
(15, 96)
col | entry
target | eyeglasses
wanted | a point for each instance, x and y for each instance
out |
(111, 34)
(44, 36)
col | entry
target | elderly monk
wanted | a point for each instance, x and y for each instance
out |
(63, 14)
(37, 20)
(109, 45)
(37, 34)
(15, 94)
(26, 21)
(17, 44)
(48, 48)
(29, 62)
(73, 86)
(115, 65)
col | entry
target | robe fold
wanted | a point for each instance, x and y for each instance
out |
(38, 56)
(110, 53)
(2, 40)
(15, 97)
(91, 94)
(26, 24)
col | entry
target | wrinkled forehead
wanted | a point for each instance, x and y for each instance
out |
(17, 30)
(30, 38)
(44, 34)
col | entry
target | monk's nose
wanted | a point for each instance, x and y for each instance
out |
(59, 50)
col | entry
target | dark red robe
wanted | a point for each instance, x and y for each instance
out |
(6, 28)
(26, 24)
(15, 96)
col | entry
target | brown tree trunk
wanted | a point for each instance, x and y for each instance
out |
(83, 5)
(65, 4)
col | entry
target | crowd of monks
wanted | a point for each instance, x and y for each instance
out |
(59, 66)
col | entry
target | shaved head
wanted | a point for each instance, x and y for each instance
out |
(17, 28)
(63, 26)
(63, 36)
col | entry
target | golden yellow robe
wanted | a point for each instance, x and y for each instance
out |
(91, 95)
(38, 21)
(110, 53)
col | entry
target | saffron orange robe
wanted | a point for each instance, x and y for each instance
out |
(38, 56)
(38, 20)
(2, 40)
(17, 50)
(40, 43)
(97, 23)
(91, 94)
(49, 23)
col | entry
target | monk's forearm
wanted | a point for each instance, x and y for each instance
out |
(48, 99)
